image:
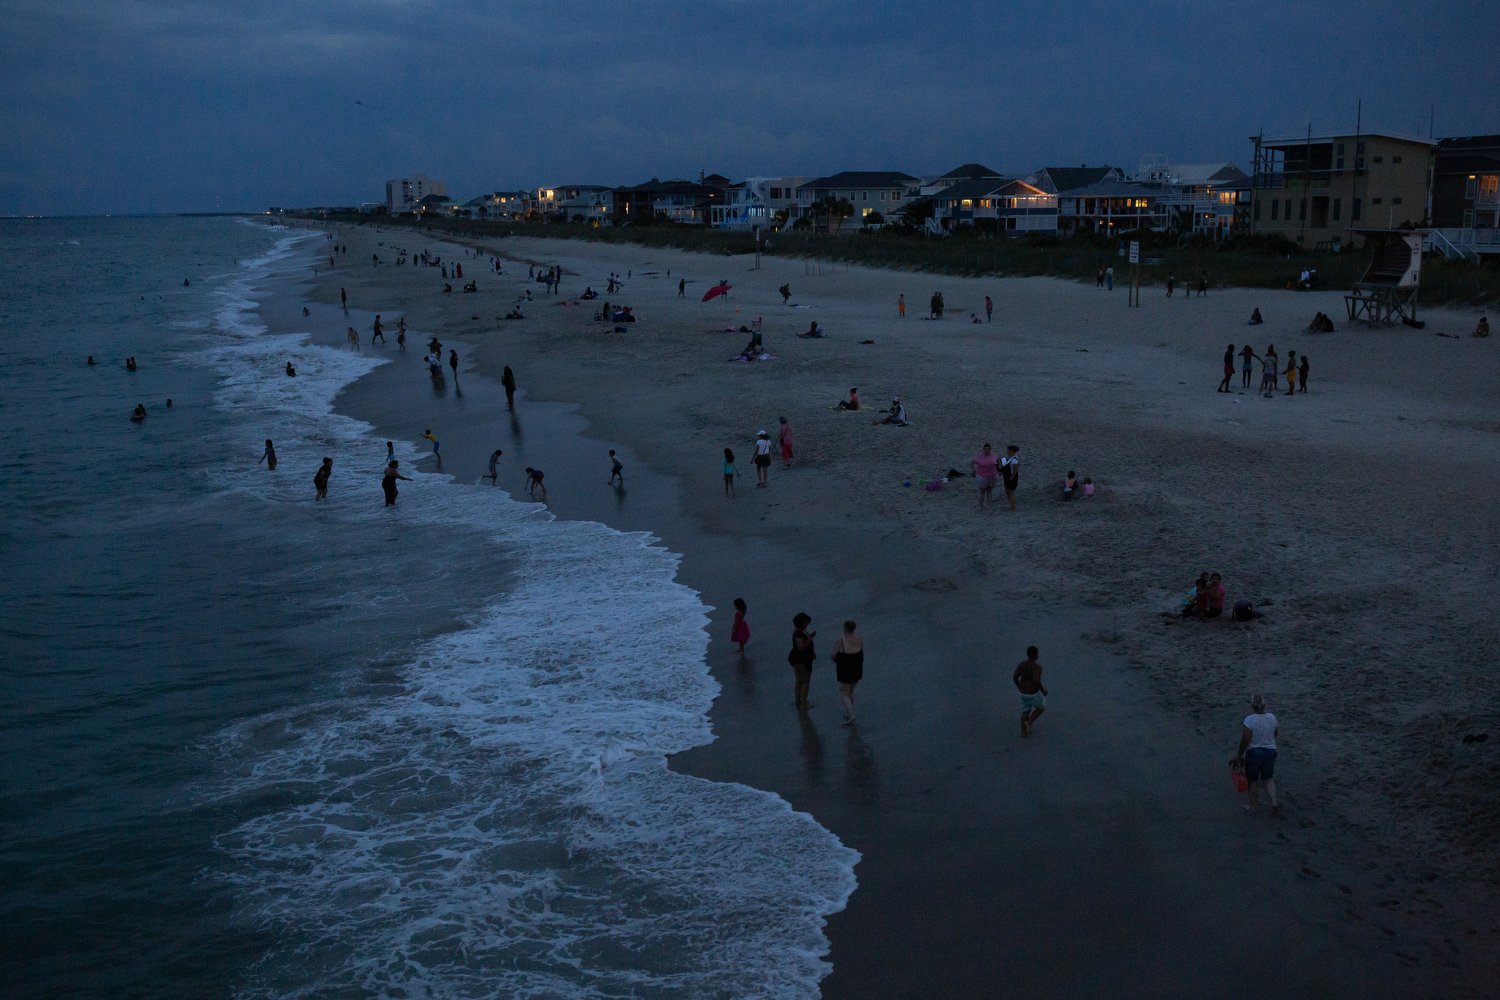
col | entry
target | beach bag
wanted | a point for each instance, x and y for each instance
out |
(1243, 610)
(1237, 776)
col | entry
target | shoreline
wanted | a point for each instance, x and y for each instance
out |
(919, 587)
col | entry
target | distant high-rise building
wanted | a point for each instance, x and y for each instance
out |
(405, 194)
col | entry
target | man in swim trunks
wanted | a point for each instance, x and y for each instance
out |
(1028, 681)
(378, 333)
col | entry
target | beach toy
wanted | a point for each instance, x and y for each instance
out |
(1237, 776)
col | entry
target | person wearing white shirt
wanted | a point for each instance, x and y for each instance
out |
(1258, 753)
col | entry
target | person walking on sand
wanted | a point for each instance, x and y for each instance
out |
(1172, 285)
(1028, 681)
(739, 632)
(508, 380)
(1228, 369)
(989, 310)
(1109, 279)
(616, 469)
(388, 482)
(378, 333)
(453, 362)
(1010, 471)
(986, 468)
(681, 288)
(1291, 372)
(268, 456)
(1247, 356)
(428, 435)
(1202, 283)
(1257, 753)
(1302, 370)
(762, 458)
(784, 439)
(849, 667)
(494, 460)
(801, 658)
(1268, 371)
(344, 299)
(729, 472)
(901, 306)
(320, 479)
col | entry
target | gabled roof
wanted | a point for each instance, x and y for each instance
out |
(1061, 179)
(974, 187)
(864, 179)
(1116, 189)
(717, 180)
(967, 172)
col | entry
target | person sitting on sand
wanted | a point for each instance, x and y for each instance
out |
(1070, 485)
(813, 331)
(447, 288)
(472, 286)
(1320, 324)
(1483, 328)
(1196, 598)
(754, 349)
(589, 293)
(852, 403)
(1215, 606)
(1255, 319)
(896, 415)
(1088, 486)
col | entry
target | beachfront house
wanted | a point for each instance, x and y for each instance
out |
(995, 204)
(1059, 180)
(589, 203)
(1202, 199)
(679, 201)
(435, 204)
(493, 206)
(403, 195)
(1466, 196)
(1318, 189)
(1111, 207)
(756, 201)
(873, 194)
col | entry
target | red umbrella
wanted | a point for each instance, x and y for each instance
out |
(722, 288)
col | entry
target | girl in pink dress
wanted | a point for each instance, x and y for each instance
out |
(784, 437)
(740, 631)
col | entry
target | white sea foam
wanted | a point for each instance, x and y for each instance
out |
(500, 819)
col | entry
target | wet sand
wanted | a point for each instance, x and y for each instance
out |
(1108, 855)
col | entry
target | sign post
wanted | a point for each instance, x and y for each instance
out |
(1134, 298)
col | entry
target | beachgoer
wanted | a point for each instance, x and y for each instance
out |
(852, 403)
(1010, 472)
(268, 456)
(989, 310)
(1028, 681)
(895, 415)
(986, 468)
(344, 299)
(784, 439)
(320, 479)
(1195, 601)
(1291, 372)
(508, 380)
(1255, 319)
(1099, 278)
(849, 667)
(1215, 596)
(616, 469)
(901, 306)
(534, 482)
(1202, 283)
(1070, 485)
(1257, 753)
(400, 341)
(494, 460)
(91, 362)
(291, 372)
(739, 632)
(1171, 284)
(1109, 279)
(130, 365)
(933, 312)
(377, 332)
(428, 435)
(681, 287)
(762, 458)
(1228, 369)
(1268, 362)
(1302, 370)
(786, 293)
(453, 362)
(138, 415)
(801, 658)
(1247, 356)
(729, 472)
(388, 482)
(1482, 328)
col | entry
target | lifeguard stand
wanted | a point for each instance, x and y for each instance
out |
(1388, 291)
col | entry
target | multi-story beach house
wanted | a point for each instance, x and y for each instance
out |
(403, 195)
(1466, 195)
(1318, 189)
(1060, 180)
(757, 201)
(680, 201)
(492, 206)
(996, 204)
(591, 203)
(1112, 207)
(872, 193)
(1202, 199)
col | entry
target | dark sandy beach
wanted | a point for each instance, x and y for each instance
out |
(1105, 856)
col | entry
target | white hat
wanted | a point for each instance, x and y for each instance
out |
(760, 434)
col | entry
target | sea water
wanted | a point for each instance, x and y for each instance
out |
(256, 745)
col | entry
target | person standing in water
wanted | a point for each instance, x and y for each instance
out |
(388, 483)
(378, 333)
(269, 456)
(739, 632)
(428, 435)
(616, 469)
(801, 657)
(849, 665)
(344, 299)
(508, 380)
(390, 451)
(494, 460)
(1028, 681)
(320, 479)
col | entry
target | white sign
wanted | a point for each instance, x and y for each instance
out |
(1135, 251)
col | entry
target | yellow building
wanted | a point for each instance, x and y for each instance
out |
(1315, 189)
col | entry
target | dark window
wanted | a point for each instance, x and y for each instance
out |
(1288, 208)
(1337, 204)
(1359, 163)
(1274, 204)
(1354, 211)
(1379, 159)
(1395, 201)
(1359, 147)
(1375, 201)
(1302, 210)
(1257, 210)
(1395, 159)
(1339, 163)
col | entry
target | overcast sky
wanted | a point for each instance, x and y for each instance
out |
(182, 105)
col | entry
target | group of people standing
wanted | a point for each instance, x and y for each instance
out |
(1295, 372)
(848, 659)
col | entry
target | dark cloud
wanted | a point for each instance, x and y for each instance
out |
(163, 106)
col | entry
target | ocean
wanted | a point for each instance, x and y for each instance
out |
(260, 746)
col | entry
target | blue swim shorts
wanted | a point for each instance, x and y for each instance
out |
(1260, 764)
(1030, 702)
